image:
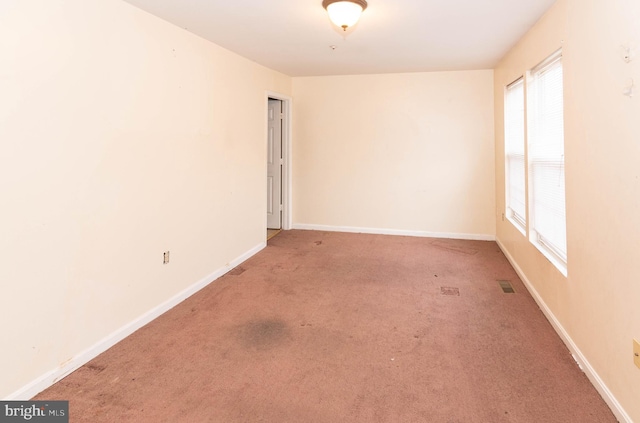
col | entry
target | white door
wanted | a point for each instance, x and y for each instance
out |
(274, 166)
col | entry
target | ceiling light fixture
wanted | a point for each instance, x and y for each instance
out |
(344, 13)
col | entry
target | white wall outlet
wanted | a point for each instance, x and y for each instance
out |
(165, 257)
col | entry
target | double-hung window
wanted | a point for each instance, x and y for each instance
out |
(514, 154)
(545, 122)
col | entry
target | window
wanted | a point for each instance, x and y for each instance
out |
(546, 160)
(514, 154)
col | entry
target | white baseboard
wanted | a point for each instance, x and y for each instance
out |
(380, 231)
(41, 383)
(582, 361)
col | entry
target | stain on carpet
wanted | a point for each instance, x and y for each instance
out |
(454, 248)
(263, 333)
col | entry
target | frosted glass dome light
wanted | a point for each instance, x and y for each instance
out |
(344, 13)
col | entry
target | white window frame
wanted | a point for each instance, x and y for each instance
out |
(545, 151)
(515, 154)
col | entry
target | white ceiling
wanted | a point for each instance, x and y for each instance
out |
(294, 36)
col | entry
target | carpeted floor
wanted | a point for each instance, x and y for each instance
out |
(333, 327)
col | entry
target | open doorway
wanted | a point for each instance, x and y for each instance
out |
(278, 182)
(275, 163)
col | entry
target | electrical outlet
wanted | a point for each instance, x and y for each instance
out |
(165, 257)
(636, 353)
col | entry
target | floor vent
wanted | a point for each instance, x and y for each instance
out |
(447, 290)
(506, 287)
(236, 271)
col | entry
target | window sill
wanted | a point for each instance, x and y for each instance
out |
(561, 265)
(518, 226)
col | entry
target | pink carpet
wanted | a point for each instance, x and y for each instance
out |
(334, 327)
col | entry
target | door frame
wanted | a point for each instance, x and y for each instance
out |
(286, 155)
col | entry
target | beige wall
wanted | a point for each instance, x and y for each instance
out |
(597, 304)
(121, 137)
(405, 152)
